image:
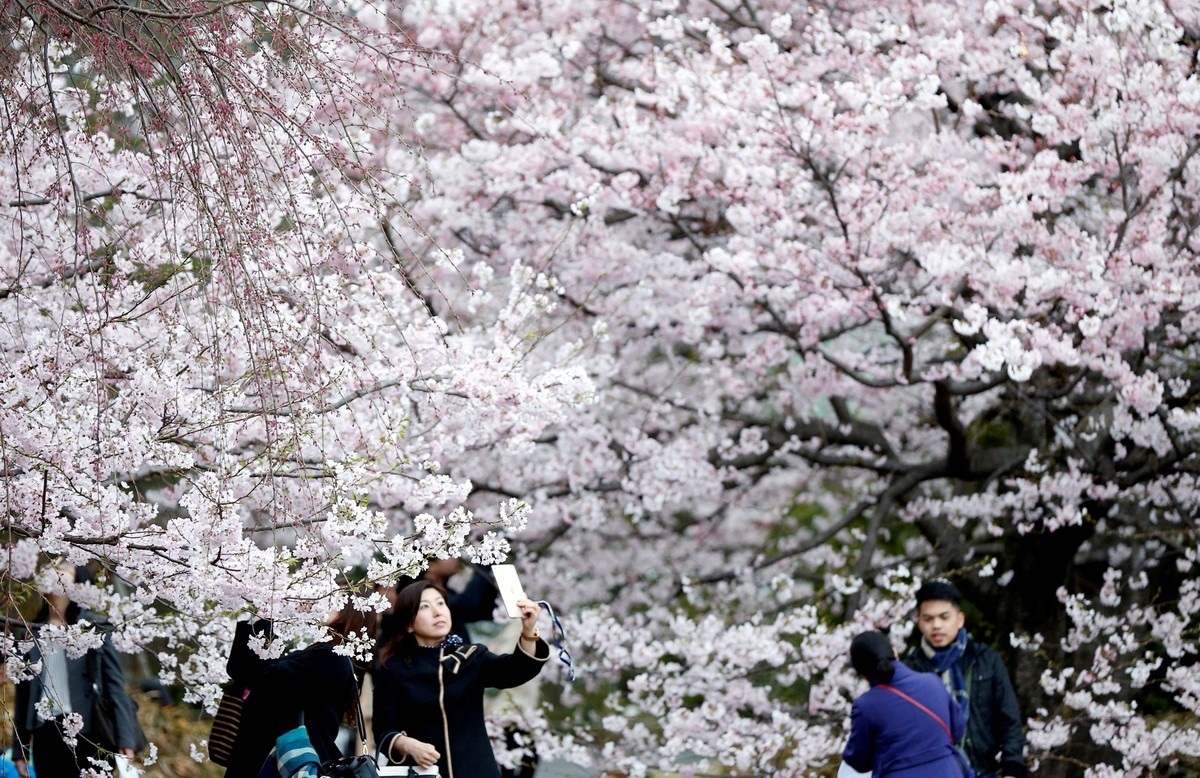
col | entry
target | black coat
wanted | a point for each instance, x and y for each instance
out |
(314, 680)
(98, 671)
(437, 697)
(995, 729)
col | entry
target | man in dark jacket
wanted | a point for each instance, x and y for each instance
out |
(976, 677)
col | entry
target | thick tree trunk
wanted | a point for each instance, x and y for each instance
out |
(1043, 563)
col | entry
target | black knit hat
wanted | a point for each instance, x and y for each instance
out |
(939, 590)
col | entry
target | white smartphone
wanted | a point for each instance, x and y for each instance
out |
(510, 588)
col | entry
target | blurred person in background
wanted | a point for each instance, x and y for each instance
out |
(313, 681)
(66, 686)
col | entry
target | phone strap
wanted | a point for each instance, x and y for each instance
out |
(560, 640)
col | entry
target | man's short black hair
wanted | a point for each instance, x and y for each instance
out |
(938, 590)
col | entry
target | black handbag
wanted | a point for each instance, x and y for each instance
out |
(104, 726)
(103, 731)
(362, 766)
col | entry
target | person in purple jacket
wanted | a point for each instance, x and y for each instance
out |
(906, 725)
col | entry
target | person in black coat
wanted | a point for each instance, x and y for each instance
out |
(314, 681)
(975, 674)
(429, 686)
(906, 725)
(67, 685)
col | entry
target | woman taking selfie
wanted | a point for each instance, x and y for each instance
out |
(429, 685)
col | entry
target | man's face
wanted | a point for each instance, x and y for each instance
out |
(443, 569)
(940, 621)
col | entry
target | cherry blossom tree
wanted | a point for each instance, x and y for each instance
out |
(871, 292)
(220, 385)
(758, 314)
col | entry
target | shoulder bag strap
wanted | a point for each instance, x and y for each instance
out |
(362, 727)
(936, 717)
(95, 667)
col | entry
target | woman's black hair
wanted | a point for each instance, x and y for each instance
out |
(871, 653)
(408, 602)
(350, 620)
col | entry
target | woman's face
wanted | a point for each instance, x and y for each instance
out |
(432, 622)
(54, 587)
(60, 577)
